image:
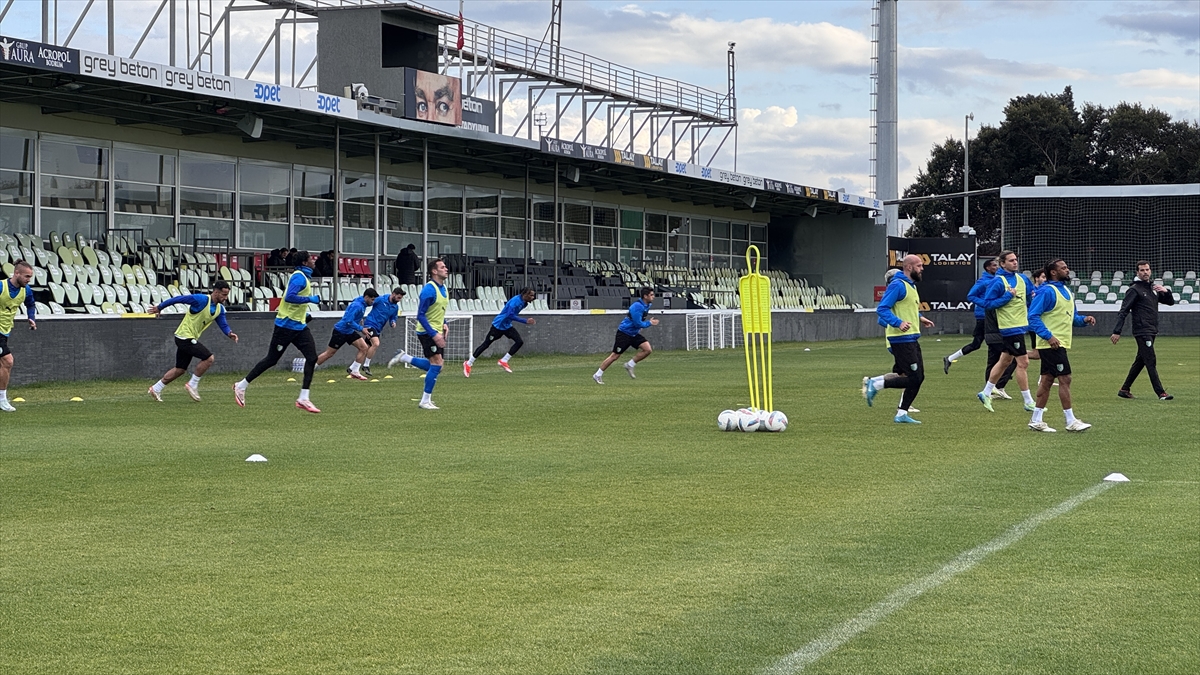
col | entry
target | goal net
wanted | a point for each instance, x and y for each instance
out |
(1104, 229)
(460, 338)
(714, 330)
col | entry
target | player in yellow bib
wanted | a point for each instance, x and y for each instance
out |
(14, 293)
(291, 328)
(900, 313)
(203, 311)
(431, 330)
(1052, 317)
(1008, 296)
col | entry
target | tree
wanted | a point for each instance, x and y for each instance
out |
(1046, 135)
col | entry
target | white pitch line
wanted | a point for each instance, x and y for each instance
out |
(798, 660)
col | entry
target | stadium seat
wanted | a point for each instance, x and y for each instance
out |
(1168, 275)
(1190, 276)
(1176, 296)
(1090, 298)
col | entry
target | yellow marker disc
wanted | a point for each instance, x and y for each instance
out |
(76, 399)
(18, 400)
(330, 381)
(375, 380)
(291, 379)
(387, 377)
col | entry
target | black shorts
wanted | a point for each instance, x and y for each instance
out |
(1031, 340)
(510, 333)
(1055, 361)
(370, 333)
(186, 350)
(625, 341)
(1015, 345)
(338, 338)
(427, 345)
(4, 350)
(908, 358)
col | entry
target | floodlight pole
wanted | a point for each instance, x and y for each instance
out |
(967, 168)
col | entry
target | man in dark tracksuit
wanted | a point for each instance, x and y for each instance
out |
(1142, 300)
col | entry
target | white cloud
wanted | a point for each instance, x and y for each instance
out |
(1160, 78)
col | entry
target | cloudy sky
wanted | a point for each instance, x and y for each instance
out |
(804, 67)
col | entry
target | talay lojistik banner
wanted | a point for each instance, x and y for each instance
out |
(949, 269)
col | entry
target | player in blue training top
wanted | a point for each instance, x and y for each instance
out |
(291, 328)
(431, 315)
(502, 326)
(629, 335)
(348, 330)
(383, 313)
(14, 294)
(203, 311)
(1008, 295)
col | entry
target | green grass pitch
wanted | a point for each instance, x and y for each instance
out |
(540, 523)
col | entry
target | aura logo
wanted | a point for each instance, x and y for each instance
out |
(6, 46)
(268, 93)
(329, 104)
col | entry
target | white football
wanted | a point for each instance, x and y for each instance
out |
(748, 420)
(727, 420)
(776, 421)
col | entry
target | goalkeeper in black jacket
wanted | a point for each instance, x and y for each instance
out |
(1142, 301)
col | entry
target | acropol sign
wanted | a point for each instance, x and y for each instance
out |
(37, 55)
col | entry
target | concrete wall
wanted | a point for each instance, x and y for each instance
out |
(110, 348)
(844, 254)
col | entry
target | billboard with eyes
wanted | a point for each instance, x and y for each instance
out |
(430, 97)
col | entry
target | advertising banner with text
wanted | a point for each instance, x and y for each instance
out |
(949, 269)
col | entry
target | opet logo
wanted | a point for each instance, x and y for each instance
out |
(268, 93)
(329, 104)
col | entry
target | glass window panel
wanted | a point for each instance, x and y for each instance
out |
(679, 259)
(543, 210)
(720, 246)
(143, 166)
(739, 247)
(700, 244)
(543, 252)
(358, 187)
(264, 207)
(738, 231)
(512, 228)
(481, 226)
(71, 159)
(264, 235)
(399, 240)
(314, 212)
(16, 219)
(758, 233)
(89, 224)
(204, 172)
(267, 180)
(720, 261)
(577, 213)
(700, 226)
(141, 198)
(443, 245)
(630, 257)
(73, 193)
(512, 207)
(358, 215)
(16, 187)
(445, 223)
(205, 204)
(656, 257)
(407, 220)
(656, 222)
(152, 227)
(401, 192)
(482, 203)
(313, 183)
(631, 220)
(359, 241)
(512, 249)
(604, 236)
(205, 228)
(16, 152)
(481, 246)
(720, 229)
(701, 261)
(677, 242)
(631, 238)
(604, 216)
(656, 241)
(314, 238)
(576, 234)
(676, 224)
(543, 231)
(609, 254)
(445, 197)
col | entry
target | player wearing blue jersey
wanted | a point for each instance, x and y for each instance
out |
(348, 330)
(1008, 296)
(431, 331)
(502, 326)
(203, 311)
(291, 328)
(14, 293)
(383, 313)
(629, 334)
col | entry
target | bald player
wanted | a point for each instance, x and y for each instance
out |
(900, 313)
